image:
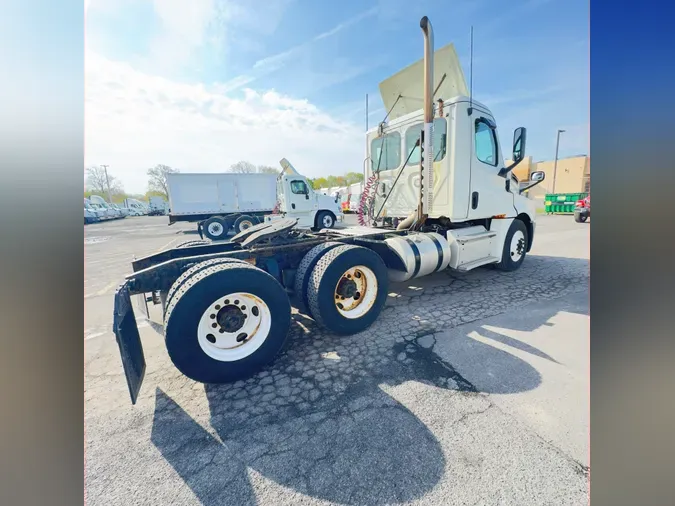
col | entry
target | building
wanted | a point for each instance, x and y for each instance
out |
(573, 175)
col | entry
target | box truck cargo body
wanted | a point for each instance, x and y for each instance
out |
(194, 197)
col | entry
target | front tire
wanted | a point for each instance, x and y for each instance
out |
(325, 219)
(515, 247)
(215, 228)
(226, 323)
(347, 289)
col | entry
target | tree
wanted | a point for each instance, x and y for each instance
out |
(319, 182)
(354, 177)
(243, 167)
(97, 184)
(157, 182)
(266, 169)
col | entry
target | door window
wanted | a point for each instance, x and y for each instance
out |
(440, 135)
(299, 188)
(385, 152)
(485, 143)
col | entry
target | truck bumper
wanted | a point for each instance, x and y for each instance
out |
(129, 340)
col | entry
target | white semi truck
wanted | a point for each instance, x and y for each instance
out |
(220, 202)
(227, 306)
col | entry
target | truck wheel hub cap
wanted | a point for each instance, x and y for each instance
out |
(517, 249)
(327, 221)
(234, 326)
(215, 228)
(355, 292)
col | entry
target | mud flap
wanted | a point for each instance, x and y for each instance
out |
(129, 341)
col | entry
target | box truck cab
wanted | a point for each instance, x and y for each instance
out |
(135, 207)
(100, 202)
(298, 200)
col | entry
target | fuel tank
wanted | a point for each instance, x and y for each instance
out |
(422, 253)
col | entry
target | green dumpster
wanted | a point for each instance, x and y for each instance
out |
(561, 203)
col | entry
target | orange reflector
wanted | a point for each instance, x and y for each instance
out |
(499, 217)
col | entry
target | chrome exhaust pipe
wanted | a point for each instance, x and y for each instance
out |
(427, 169)
(428, 32)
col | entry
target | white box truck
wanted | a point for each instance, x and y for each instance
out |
(220, 202)
(226, 305)
(158, 206)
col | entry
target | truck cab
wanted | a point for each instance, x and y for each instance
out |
(469, 182)
(298, 199)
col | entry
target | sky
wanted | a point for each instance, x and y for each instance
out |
(201, 84)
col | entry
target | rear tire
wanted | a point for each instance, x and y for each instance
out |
(215, 228)
(180, 281)
(347, 289)
(304, 272)
(244, 222)
(226, 323)
(515, 247)
(187, 244)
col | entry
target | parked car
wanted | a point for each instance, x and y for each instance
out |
(582, 210)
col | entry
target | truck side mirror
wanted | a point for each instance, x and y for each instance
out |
(535, 178)
(519, 138)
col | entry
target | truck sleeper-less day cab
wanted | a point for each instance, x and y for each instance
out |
(221, 202)
(227, 306)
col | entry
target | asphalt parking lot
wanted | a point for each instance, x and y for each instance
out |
(470, 389)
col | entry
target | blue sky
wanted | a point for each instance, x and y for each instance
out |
(202, 84)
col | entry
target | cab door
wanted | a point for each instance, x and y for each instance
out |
(490, 194)
(298, 198)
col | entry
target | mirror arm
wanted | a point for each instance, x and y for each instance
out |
(505, 170)
(535, 183)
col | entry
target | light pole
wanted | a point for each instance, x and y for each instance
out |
(555, 162)
(107, 182)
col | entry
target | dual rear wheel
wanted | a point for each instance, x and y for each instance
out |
(216, 228)
(226, 319)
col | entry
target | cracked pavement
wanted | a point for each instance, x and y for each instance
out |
(471, 388)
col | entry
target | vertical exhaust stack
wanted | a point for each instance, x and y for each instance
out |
(427, 183)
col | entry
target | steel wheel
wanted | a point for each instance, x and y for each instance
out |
(234, 326)
(327, 221)
(517, 246)
(215, 229)
(356, 292)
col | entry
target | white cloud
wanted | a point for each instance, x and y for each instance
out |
(277, 61)
(185, 27)
(134, 120)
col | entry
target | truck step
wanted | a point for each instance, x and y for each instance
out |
(477, 263)
(476, 237)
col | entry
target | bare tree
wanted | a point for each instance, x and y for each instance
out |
(243, 167)
(96, 181)
(157, 177)
(266, 169)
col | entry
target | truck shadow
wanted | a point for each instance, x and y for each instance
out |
(319, 422)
